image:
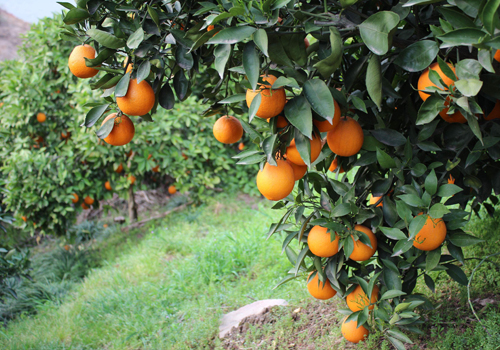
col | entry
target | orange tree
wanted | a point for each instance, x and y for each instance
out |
(46, 157)
(337, 83)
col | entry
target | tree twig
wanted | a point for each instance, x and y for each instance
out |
(168, 212)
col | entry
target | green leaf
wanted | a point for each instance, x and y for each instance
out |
(221, 53)
(254, 107)
(181, 85)
(251, 64)
(391, 294)
(106, 129)
(397, 343)
(269, 147)
(401, 247)
(233, 99)
(374, 80)
(457, 274)
(463, 239)
(385, 160)
(136, 38)
(327, 66)
(416, 225)
(462, 37)
(431, 183)
(393, 233)
(105, 39)
(260, 39)
(489, 15)
(341, 210)
(252, 159)
(94, 114)
(389, 137)
(166, 97)
(468, 69)
(319, 97)
(101, 57)
(377, 31)
(469, 87)
(456, 18)
(183, 58)
(122, 86)
(154, 16)
(300, 259)
(75, 15)
(430, 283)
(399, 335)
(417, 56)
(303, 147)
(277, 53)
(432, 259)
(448, 190)
(143, 71)
(430, 109)
(438, 210)
(232, 35)
(298, 113)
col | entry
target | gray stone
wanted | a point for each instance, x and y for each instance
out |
(234, 318)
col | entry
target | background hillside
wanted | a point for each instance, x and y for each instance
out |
(11, 29)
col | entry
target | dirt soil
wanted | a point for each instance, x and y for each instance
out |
(11, 29)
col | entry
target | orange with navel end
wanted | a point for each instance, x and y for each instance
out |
(352, 332)
(358, 300)
(75, 198)
(281, 123)
(139, 100)
(131, 179)
(41, 117)
(495, 112)
(89, 200)
(107, 185)
(123, 130)
(432, 234)
(320, 242)
(85, 206)
(361, 251)
(374, 200)
(76, 61)
(347, 138)
(298, 170)
(320, 290)
(324, 126)
(172, 189)
(227, 129)
(292, 154)
(272, 102)
(424, 81)
(119, 169)
(276, 182)
(334, 165)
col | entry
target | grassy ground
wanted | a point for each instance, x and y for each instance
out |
(167, 285)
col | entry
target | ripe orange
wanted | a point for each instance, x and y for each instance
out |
(123, 130)
(89, 200)
(424, 81)
(361, 251)
(41, 117)
(65, 135)
(495, 112)
(352, 333)
(431, 235)
(374, 200)
(276, 182)
(281, 123)
(358, 300)
(334, 165)
(105, 225)
(320, 242)
(39, 139)
(325, 125)
(227, 129)
(292, 154)
(76, 61)
(107, 185)
(24, 218)
(84, 206)
(497, 56)
(156, 169)
(272, 102)
(210, 27)
(139, 100)
(131, 179)
(456, 117)
(119, 169)
(241, 146)
(184, 156)
(320, 290)
(66, 247)
(75, 199)
(306, 42)
(172, 189)
(347, 137)
(130, 65)
(298, 170)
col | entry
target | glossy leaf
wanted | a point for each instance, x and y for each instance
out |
(319, 97)
(298, 113)
(251, 64)
(417, 56)
(232, 35)
(374, 80)
(377, 31)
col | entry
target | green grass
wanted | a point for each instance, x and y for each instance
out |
(166, 286)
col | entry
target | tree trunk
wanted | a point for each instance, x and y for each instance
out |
(132, 206)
